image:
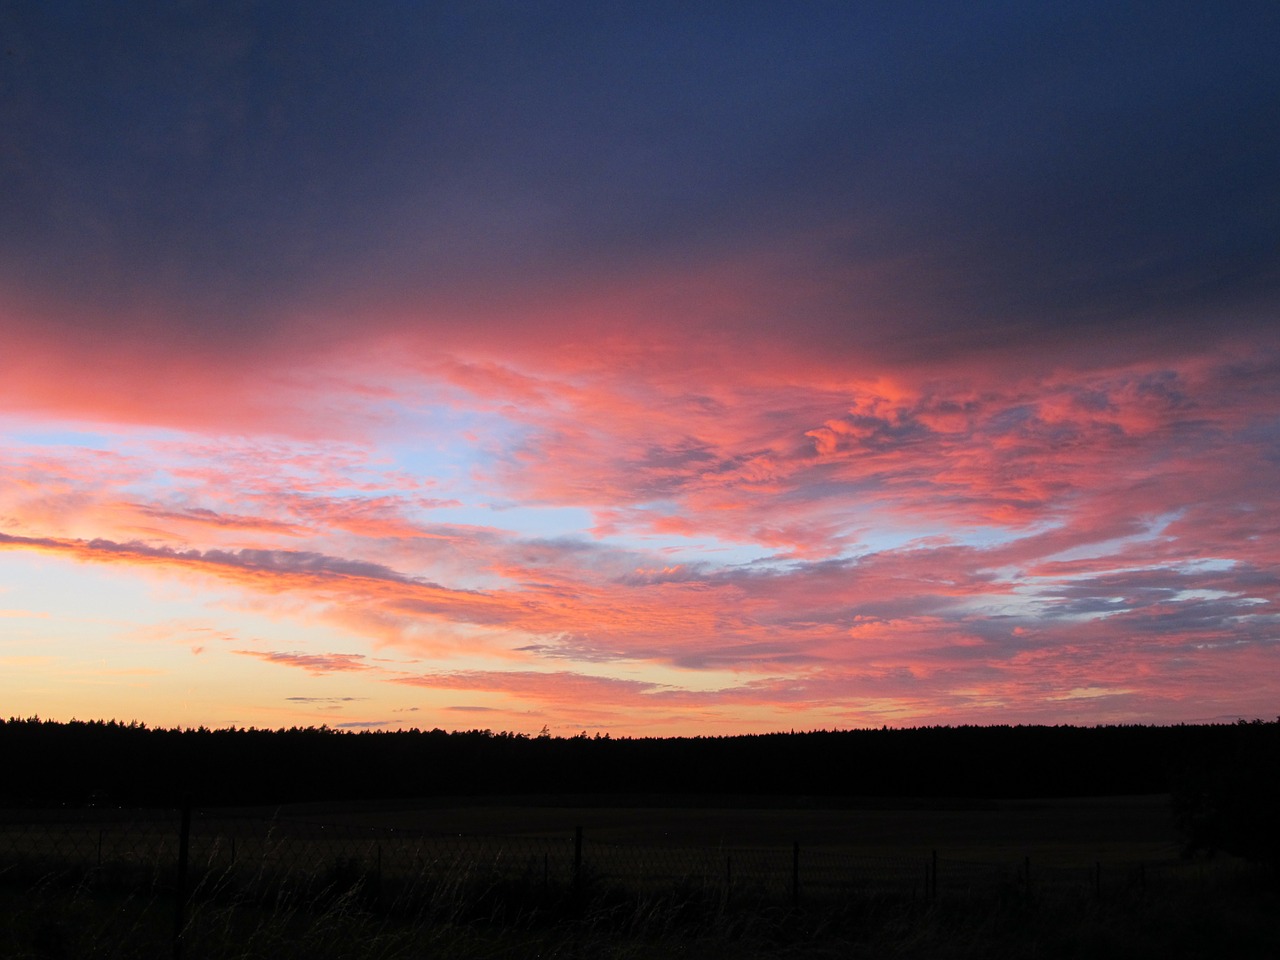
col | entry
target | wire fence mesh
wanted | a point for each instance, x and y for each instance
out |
(142, 848)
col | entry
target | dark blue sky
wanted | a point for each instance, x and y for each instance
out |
(1010, 169)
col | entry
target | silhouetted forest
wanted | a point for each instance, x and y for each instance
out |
(79, 763)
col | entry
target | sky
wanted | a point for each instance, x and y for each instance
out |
(652, 369)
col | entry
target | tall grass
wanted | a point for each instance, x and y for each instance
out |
(344, 910)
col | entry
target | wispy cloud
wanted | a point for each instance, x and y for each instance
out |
(314, 663)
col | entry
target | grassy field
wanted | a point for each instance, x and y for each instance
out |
(1060, 831)
(1230, 919)
(495, 880)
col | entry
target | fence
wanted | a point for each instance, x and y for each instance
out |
(194, 856)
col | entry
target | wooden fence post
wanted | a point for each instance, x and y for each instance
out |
(933, 876)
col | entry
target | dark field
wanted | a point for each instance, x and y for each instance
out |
(1070, 831)
(1049, 878)
(689, 854)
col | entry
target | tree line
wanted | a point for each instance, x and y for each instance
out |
(78, 762)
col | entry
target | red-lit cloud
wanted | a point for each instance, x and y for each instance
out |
(853, 384)
(312, 663)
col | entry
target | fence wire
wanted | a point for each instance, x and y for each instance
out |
(140, 848)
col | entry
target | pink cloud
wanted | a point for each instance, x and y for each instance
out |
(904, 529)
(314, 663)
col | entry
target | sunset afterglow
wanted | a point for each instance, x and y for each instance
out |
(649, 370)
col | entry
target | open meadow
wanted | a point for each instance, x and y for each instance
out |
(1062, 831)
(497, 878)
